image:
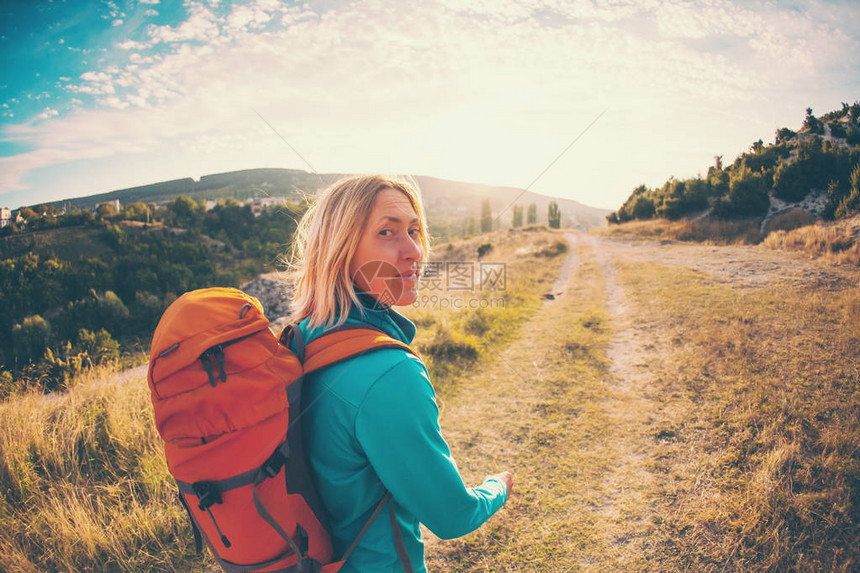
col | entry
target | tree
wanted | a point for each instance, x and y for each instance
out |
(184, 211)
(30, 339)
(811, 123)
(554, 215)
(643, 208)
(105, 211)
(850, 203)
(486, 216)
(531, 217)
(28, 214)
(783, 134)
(471, 227)
(748, 196)
(136, 212)
(99, 346)
(518, 216)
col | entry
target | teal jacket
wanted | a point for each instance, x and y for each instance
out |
(371, 423)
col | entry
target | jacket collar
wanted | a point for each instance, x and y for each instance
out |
(373, 313)
(381, 316)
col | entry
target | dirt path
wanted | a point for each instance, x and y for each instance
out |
(578, 441)
(623, 500)
(583, 423)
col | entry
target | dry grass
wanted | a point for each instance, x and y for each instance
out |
(764, 464)
(85, 487)
(837, 243)
(707, 231)
(83, 482)
(540, 416)
(456, 327)
(790, 220)
(754, 465)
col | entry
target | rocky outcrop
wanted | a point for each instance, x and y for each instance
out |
(274, 292)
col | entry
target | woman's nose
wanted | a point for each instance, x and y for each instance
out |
(412, 249)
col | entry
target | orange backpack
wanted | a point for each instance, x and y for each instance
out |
(227, 396)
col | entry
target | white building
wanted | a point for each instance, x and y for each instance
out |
(5, 216)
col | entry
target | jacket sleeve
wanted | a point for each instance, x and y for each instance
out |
(397, 425)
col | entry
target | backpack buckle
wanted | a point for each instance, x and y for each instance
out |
(207, 494)
(276, 461)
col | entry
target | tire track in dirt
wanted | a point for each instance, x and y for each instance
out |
(622, 503)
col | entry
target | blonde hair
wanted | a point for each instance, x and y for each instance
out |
(326, 240)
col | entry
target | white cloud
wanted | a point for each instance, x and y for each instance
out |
(152, 2)
(201, 25)
(486, 91)
(131, 45)
(151, 12)
(247, 17)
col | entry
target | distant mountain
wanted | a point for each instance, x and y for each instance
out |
(246, 184)
(459, 200)
(445, 200)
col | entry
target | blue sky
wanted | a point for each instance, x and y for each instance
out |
(97, 96)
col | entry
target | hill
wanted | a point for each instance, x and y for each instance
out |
(246, 184)
(459, 200)
(674, 407)
(816, 169)
(447, 201)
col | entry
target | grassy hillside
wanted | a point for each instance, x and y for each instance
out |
(246, 184)
(675, 407)
(83, 483)
(816, 168)
(449, 203)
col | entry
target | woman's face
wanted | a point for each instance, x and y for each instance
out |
(386, 263)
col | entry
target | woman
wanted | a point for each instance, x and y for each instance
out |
(371, 422)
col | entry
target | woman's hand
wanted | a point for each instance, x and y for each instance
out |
(506, 478)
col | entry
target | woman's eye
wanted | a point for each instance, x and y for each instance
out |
(415, 232)
(385, 232)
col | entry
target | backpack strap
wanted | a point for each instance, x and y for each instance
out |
(345, 342)
(364, 529)
(336, 345)
(398, 541)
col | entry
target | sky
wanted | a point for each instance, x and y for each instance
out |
(577, 99)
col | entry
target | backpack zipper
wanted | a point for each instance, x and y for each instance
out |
(216, 354)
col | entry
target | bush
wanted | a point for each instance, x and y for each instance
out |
(99, 346)
(446, 347)
(643, 208)
(553, 250)
(784, 134)
(30, 339)
(484, 248)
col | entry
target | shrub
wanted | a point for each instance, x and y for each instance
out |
(30, 339)
(553, 250)
(643, 208)
(446, 347)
